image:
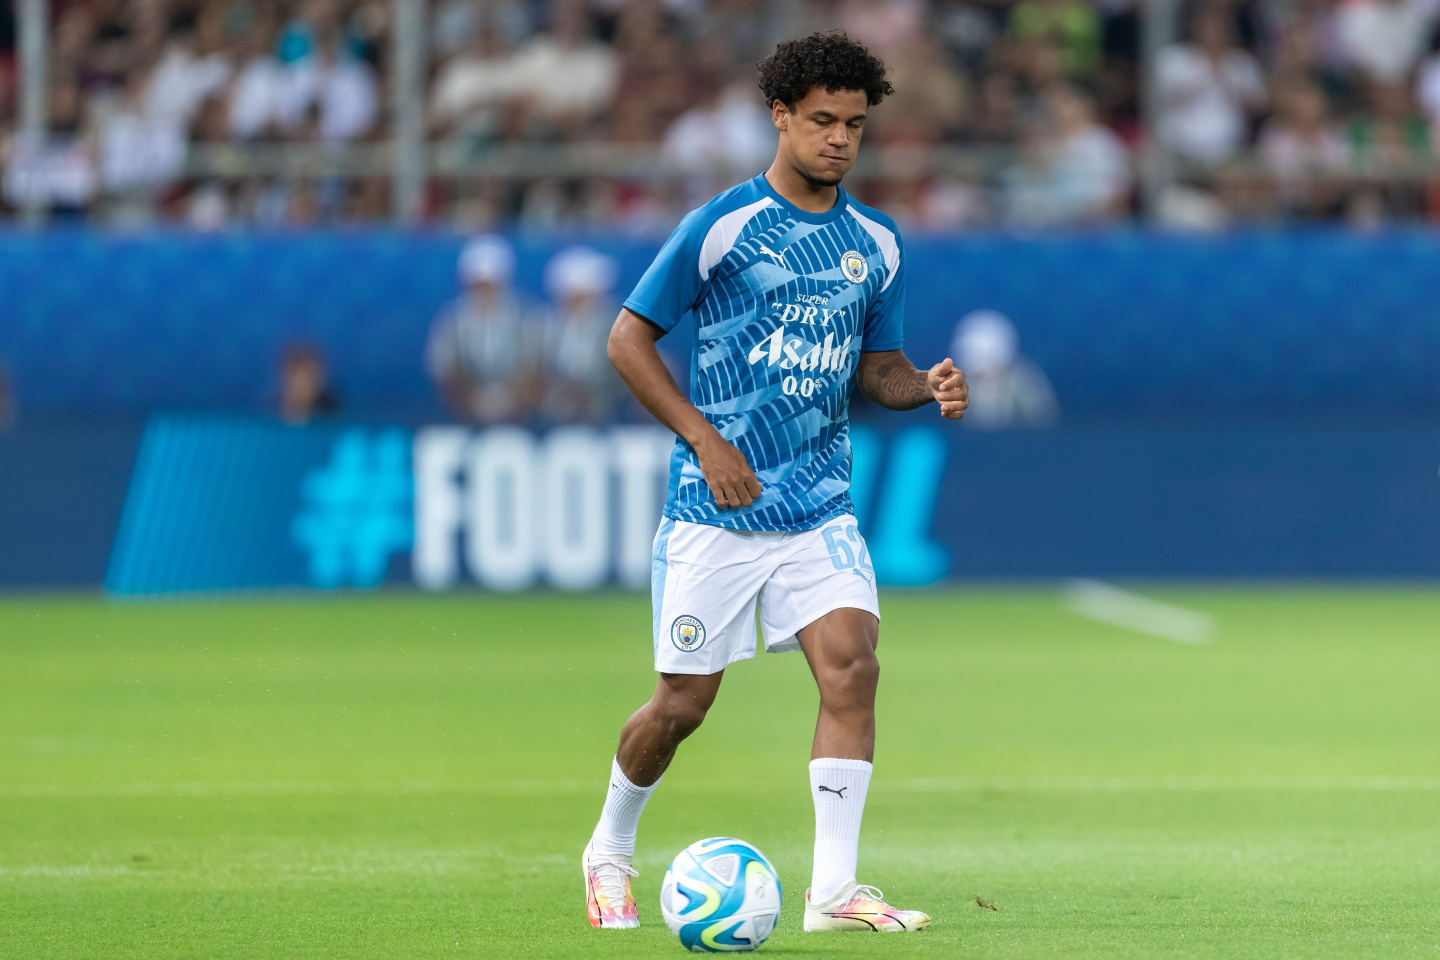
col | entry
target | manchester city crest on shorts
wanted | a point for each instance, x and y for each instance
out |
(855, 267)
(687, 633)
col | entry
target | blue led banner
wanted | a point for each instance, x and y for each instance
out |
(1124, 323)
(225, 503)
(222, 503)
(214, 502)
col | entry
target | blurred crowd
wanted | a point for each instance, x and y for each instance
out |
(1261, 109)
(1306, 109)
(497, 356)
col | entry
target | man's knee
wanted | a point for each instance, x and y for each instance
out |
(863, 673)
(680, 716)
(852, 682)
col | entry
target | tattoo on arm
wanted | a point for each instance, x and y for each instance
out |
(892, 381)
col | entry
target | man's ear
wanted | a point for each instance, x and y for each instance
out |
(780, 115)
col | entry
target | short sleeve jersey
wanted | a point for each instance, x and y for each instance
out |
(783, 302)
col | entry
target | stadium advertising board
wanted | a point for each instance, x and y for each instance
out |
(217, 503)
(1126, 324)
(510, 509)
(226, 503)
(221, 503)
(577, 508)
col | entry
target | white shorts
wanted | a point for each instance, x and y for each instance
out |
(706, 582)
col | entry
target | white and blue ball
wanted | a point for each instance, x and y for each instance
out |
(720, 895)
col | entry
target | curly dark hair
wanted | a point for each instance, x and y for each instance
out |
(830, 60)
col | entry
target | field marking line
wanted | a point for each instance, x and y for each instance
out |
(290, 788)
(982, 784)
(1150, 784)
(1106, 604)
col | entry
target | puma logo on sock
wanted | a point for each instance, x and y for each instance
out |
(839, 793)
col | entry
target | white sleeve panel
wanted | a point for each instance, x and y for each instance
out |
(884, 239)
(724, 233)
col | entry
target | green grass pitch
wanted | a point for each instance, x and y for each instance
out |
(404, 776)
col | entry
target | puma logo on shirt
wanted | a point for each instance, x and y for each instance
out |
(778, 257)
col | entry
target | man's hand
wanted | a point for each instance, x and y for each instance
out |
(948, 386)
(892, 381)
(732, 482)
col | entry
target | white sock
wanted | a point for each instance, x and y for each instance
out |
(615, 833)
(838, 788)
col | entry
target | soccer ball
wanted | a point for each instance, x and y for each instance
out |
(720, 894)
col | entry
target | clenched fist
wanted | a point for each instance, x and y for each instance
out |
(732, 482)
(948, 386)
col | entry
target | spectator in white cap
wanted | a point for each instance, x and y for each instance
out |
(580, 383)
(483, 351)
(1006, 389)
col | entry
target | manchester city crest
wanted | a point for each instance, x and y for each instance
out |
(855, 267)
(687, 633)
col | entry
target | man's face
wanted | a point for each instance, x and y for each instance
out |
(1212, 34)
(484, 290)
(822, 134)
(579, 303)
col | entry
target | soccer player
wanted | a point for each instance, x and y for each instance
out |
(797, 293)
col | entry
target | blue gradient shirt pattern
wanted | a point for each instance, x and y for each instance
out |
(783, 303)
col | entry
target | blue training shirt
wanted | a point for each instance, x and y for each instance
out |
(783, 303)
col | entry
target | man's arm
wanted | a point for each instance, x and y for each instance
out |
(891, 380)
(632, 350)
